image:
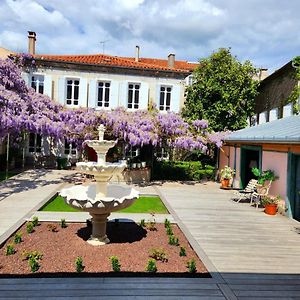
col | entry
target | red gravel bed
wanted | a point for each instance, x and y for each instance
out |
(129, 242)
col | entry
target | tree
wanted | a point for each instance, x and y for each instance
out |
(222, 92)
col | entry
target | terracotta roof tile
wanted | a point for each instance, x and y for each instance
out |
(117, 61)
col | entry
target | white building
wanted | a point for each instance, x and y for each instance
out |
(105, 82)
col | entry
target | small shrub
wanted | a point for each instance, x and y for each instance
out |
(52, 227)
(79, 264)
(191, 265)
(167, 223)
(158, 254)
(152, 226)
(151, 266)
(169, 231)
(173, 240)
(29, 227)
(10, 250)
(18, 238)
(182, 251)
(35, 221)
(143, 223)
(32, 254)
(115, 263)
(63, 223)
(33, 264)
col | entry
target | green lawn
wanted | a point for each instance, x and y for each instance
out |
(142, 205)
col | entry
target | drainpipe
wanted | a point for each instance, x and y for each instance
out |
(235, 182)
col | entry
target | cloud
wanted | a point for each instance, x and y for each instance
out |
(265, 32)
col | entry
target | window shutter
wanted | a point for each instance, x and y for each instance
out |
(26, 78)
(114, 94)
(83, 92)
(61, 90)
(48, 85)
(175, 98)
(45, 145)
(287, 110)
(144, 92)
(157, 95)
(92, 101)
(123, 94)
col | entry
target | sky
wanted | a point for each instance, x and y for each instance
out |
(266, 32)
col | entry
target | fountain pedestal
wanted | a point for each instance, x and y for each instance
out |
(99, 236)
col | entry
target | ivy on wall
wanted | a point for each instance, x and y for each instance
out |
(295, 94)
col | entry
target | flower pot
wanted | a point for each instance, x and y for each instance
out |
(224, 183)
(271, 209)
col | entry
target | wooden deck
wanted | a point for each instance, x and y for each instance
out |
(257, 256)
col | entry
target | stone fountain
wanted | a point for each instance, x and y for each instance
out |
(100, 198)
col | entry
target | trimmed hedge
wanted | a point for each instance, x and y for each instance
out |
(182, 170)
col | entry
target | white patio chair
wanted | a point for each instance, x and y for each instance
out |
(257, 195)
(247, 192)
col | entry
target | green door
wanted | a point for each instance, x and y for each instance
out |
(297, 189)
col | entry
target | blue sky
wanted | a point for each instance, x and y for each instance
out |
(264, 32)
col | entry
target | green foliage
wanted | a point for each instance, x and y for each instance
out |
(227, 173)
(182, 251)
(167, 223)
(295, 94)
(10, 250)
(79, 264)
(169, 231)
(191, 265)
(158, 254)
(267, 199)
(181, 170)
(33, 264)
(35, 221)
(223, 92)
(262, 177)
(151, 266)
(18, 238)
(173, 240)
(32, 254)
(63, 223)
(29, 227)
(115, 263)
(143, 223)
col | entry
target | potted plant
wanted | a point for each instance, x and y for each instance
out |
(226, 174)
(263, 177)
(270, 204)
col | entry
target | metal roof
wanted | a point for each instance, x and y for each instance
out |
(286, 130)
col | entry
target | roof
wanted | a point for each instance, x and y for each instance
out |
(117, 61)
(286, 130)
(5, 52)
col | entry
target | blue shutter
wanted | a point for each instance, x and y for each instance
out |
(114, 94)
(144, 96)
(26, 78)
(83, 92)
(175, 98)
(48, 86)
(61, 90)
(123, 95)
(92, 101)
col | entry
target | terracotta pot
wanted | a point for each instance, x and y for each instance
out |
(224, 183)
(271, 209)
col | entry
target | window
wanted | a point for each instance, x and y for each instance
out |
(133, 95)
(72, 91)
(37, 83)
(35, 143)
(132, 151)
(162, 154)
(165, 98)
(189, 80)
(103, 94)
(70, 148)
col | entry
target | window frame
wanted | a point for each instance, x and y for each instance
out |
(70, 148)
(105, 92)
(72, 99)
(164, 106)
(36, 147)
(37, 85)
(135, 105)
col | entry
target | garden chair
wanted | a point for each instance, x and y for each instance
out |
(247, 192)
(257, 195)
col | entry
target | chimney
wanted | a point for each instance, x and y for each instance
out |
(263, 73)
(171, 60)
(137, 53)
(31, 42)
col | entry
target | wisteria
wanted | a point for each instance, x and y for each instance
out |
(22, 110)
